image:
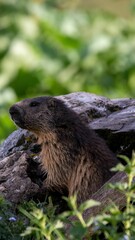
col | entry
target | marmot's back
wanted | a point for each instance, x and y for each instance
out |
(74, 156)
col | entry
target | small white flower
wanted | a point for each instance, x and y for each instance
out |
(12, 219)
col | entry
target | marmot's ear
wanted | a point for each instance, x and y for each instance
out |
(51, 103)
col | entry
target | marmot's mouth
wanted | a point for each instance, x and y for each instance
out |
(17, 115)
(19, 123)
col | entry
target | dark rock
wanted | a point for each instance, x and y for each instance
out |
(15, 184)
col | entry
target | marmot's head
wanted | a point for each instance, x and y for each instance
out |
(41, 114)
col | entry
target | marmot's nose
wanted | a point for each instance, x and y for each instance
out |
(15, 111)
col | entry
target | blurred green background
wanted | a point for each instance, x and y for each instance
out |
(58, 47)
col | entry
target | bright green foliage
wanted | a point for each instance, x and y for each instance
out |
(112, 223)
(45, 49)
(51, 227)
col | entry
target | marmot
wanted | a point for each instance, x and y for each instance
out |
(74, 156)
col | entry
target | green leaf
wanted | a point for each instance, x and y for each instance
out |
(119, 167)
(88, 204)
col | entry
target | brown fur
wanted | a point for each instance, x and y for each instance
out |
(74, 156)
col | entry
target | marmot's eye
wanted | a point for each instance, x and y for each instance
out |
(34, 104)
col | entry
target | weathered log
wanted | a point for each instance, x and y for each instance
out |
(20, 173)
(106, 196)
